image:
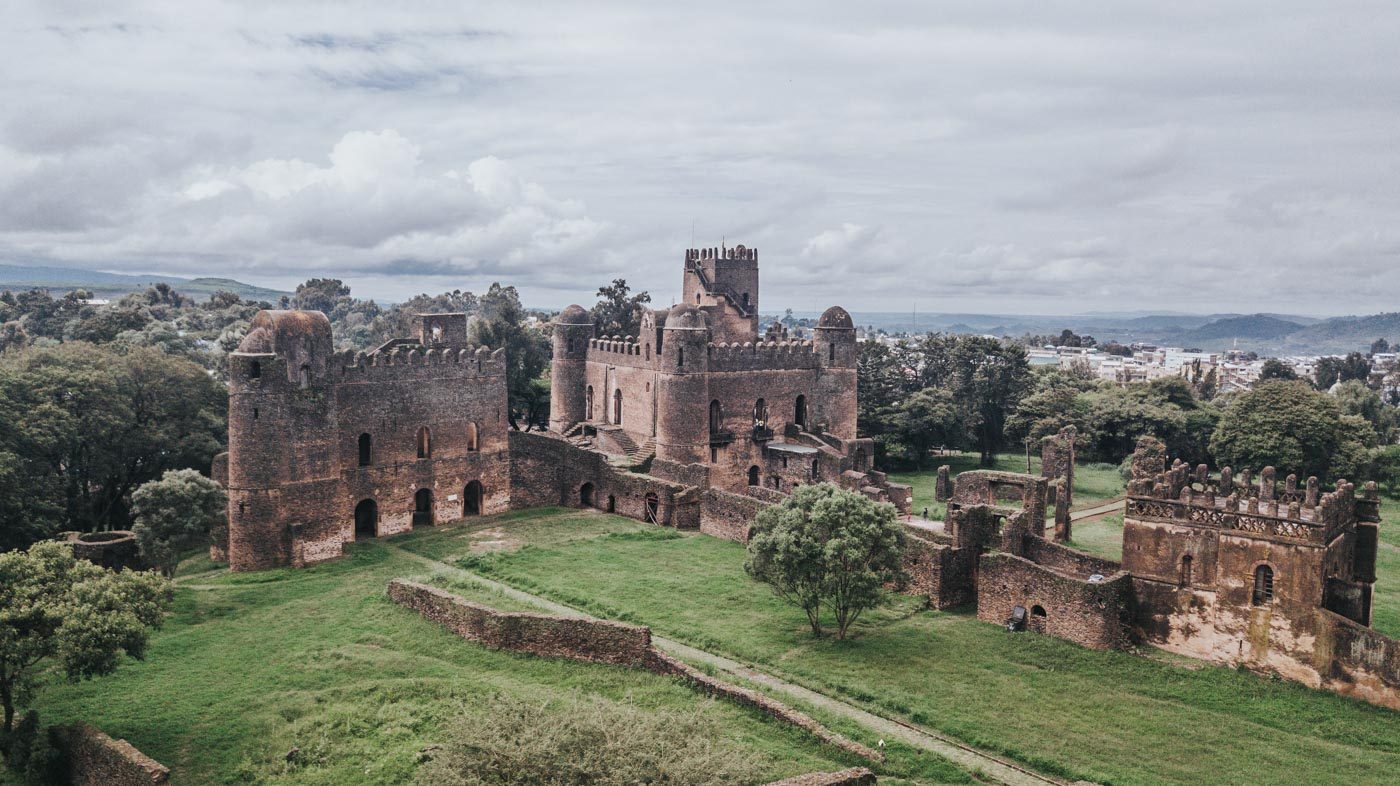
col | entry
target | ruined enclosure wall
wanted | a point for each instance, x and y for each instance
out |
(596, 641)
(550, 471)
(1091, 615)
(729, 516)
(1066, 560)
(1357, 661)
(856, 776)
(95, 759)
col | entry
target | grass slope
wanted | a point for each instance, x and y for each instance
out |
(1110, 717)
(252, 666)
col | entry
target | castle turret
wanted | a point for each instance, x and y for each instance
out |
(835, 340)
(281, 430)
(573, 329)
(682, 431)
(723, 282)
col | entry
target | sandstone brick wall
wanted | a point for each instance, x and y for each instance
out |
(95, 759)
(856, 776)
(1093, 615)
(1066, 560)
(661, 663)
(728, 516)
(597, 641)
(1355, 660)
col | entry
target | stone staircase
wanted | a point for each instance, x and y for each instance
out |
(640, 459)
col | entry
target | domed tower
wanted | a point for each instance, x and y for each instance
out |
(835, 340)
(682, 427)
(573, 329)
(281, 432)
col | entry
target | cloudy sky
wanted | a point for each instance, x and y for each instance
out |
(951, 156)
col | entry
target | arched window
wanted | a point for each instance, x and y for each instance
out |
(255, 370)
(716, 417)
(680, 357)
(800, 412)
(617, 407)
(425, 443)
(648, 351)
(760, 413)
(590, 402)
(831, 353)
(472, 444)
(573, 346)
(305, 377)
(366, 450)
(1263, 585)
(1186, 568)
(816, 468)
(753, 475)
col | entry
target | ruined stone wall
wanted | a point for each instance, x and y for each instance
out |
(113, 550)
(95, 759)
(1066, 560)
(577, 638)
(1089, 614)
(727, 515)
(1356, 661)
(856, 776)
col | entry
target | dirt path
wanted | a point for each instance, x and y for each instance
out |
(985, 765)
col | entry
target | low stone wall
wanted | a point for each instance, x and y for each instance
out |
(597, 641)
(661, 663)
(112, 550)
(1092, 615)
(95, 759)
(728, 516)
(856, 776)
(1362, 663)
(1065, 559)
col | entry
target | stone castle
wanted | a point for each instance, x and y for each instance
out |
(700, 421)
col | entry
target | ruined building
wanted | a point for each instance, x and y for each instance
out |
(328, 447)
(1233, 569)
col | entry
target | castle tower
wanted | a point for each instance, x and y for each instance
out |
(835, 341)
(723, 282)
(682, 428)
(573, 329)
(281, 433)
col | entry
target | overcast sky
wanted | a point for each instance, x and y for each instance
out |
(946, 156)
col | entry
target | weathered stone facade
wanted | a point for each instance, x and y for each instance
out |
(94, 759)
(327, 447)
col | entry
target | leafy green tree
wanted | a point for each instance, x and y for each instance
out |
(174, 513)
(1331, 370)
(618, 312)
(1380, 346)
(1290, 426)
(1276, 369)
(82, 618)
(320, 294)
(1355, 398)
(989, 380)
(502, 324)
(824, 545)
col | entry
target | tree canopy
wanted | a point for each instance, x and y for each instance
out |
(618, 312)
(175, 513)
(1290, 426)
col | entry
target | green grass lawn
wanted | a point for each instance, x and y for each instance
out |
(1093, 483)
(1109, 717)
(252, 666)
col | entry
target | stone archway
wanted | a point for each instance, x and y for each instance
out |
(585, 495)
(366, 519)
(423, 508)
(473, 499)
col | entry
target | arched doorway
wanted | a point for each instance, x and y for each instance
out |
(617, 407)
(760, 413)
(366, 519)
(716, 417)
(858, 460)
(472, 497)
(800, 415)
(423, 508)
(612, 504)
(754, 475)
(472, 445)
(1036, 624)
(585, 495)
(653, 509)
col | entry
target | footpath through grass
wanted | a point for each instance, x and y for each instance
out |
(314, 677)
(1109, 717)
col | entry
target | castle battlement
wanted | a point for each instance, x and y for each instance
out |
(747, 356)
(470, 361)
(738, 253)
(1243, 503)
(614, 345)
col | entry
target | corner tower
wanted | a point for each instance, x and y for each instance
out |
(573, 329)
(682, 385)
(834, 339)
(723, 282)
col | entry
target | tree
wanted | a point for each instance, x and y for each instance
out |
(824, 545)
(1380, 346)
(502, 325)
(617, 313)
(82, 617)
(320, 294)
(1290, 426)
(1355, 398)
(1276, 369)
(989, 380)
(929, 418)
(174, 513)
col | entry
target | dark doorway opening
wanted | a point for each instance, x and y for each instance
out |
(472, 498)
(617, 407)
(366, 450)
(800, 416)
(423, 508)
(612, 504)
(585, 495)
(753, 475)
(653, 509)
(366, 519)
(1036, 623)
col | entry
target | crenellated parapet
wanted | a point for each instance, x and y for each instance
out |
(739, 253)
(413, 361)
(1245, 502)
(763, 355)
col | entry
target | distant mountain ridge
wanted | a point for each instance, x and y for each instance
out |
(111, 285)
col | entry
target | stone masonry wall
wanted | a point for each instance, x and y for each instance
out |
(597, 641)
(95, 759)
(856, 776)
(728, 516)
(1091, 615)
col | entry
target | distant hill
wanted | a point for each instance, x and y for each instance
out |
(1255, 326)
(60, 280)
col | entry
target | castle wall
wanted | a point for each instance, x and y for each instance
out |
(95, 759)
(1089, 614)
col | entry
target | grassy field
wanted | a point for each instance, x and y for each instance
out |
(253, 666)
(1114, 717)
(1093, 483)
